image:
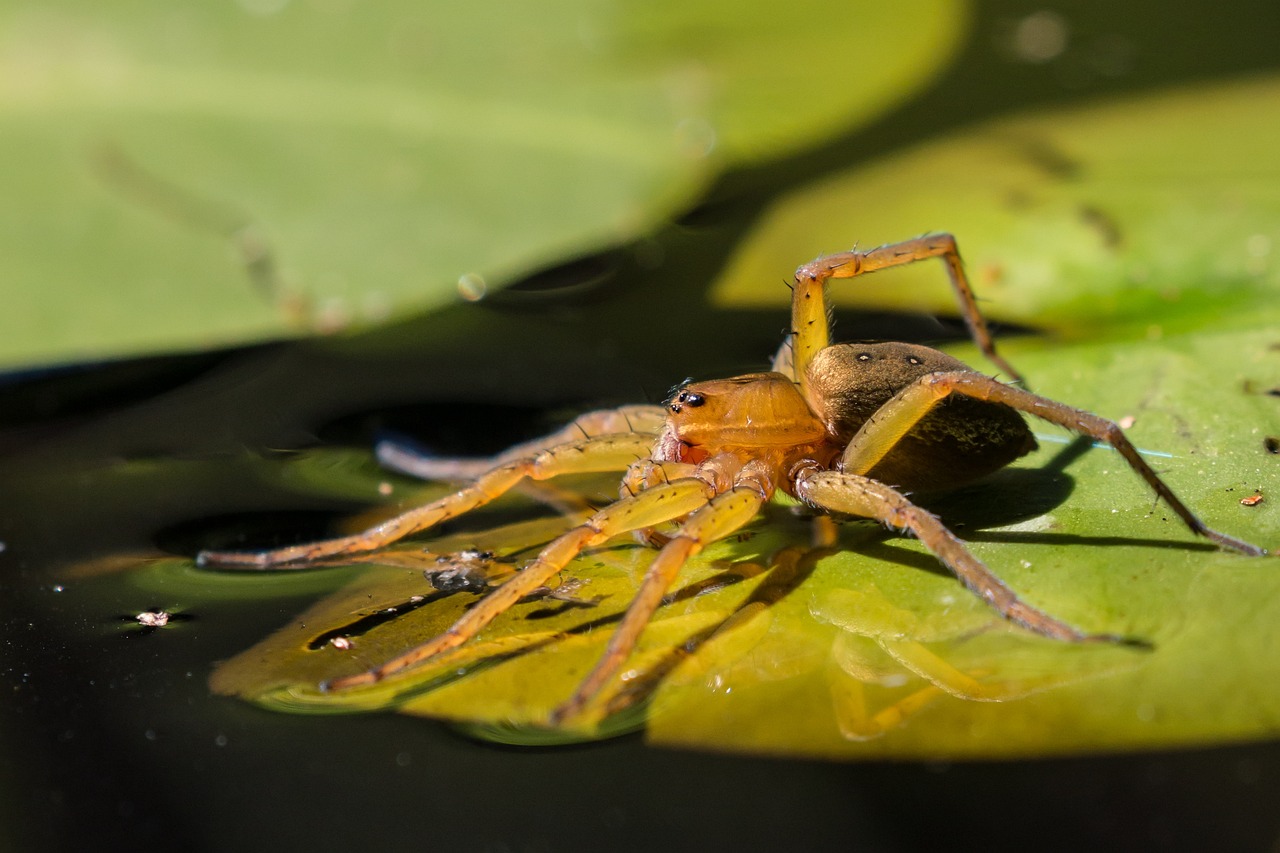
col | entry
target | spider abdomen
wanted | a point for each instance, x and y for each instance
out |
(958, 440)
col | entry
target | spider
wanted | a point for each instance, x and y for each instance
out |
(848, 429)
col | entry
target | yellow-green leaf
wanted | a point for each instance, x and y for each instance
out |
(1139, 213)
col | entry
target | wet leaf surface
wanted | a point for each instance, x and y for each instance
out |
(871, 649)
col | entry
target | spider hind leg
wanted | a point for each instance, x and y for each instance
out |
(853, 494)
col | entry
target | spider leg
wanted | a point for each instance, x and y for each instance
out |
(854, 494)
(809, 321)
(602, 453)
(724, 514)
(646, 420)
(650, 507)
(645, 474)
(896, 418)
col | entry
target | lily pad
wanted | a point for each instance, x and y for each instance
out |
(194, 176)
(870, 650)
(1133, 215)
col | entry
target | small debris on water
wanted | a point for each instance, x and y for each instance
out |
(465, 571)
(153, 618)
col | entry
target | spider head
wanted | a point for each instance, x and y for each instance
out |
(758, 409)
(683, 396)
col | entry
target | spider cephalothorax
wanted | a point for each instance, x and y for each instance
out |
(850, 429)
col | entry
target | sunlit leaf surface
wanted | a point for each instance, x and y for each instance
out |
(187, 175)
(870, 649)
(1140, 214)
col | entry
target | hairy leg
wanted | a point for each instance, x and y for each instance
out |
(650, 507)
(809, 320)
(896, 418)
(645, 420)
(604, 453)
(853, 494)
(725, 513)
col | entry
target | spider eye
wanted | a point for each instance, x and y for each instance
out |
(862, 356)
(911, 359)
(693, 400)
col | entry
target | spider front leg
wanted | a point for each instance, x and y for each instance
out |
(853, 494)
(725, 513)
(810, 324)
(646, 509)
(603, 453)
(897, 417)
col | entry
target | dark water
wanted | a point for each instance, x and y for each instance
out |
(113, 741)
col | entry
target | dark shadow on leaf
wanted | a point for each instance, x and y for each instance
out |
(1010, 495)
(364, 624)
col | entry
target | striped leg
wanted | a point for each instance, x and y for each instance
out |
(809, 321)
(650, 507)
(853, 494)
(645, 420)
(897, 417)
(604, 453)
(722, 516)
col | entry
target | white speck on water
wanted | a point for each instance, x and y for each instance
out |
(1040, 37)
(472, 287)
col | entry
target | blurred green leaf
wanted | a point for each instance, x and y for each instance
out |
(196, 175)
(871, 650)
(1136, 215)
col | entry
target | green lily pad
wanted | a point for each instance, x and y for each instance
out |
(192, 176)
(870, 650)
(1140, 213)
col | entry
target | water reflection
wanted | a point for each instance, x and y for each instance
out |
(889, 663)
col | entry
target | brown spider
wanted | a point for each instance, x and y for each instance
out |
(846, 428)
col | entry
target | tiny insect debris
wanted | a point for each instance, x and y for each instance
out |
(153, 618)
(1252, 500)
(849, 430)
(465, 571)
